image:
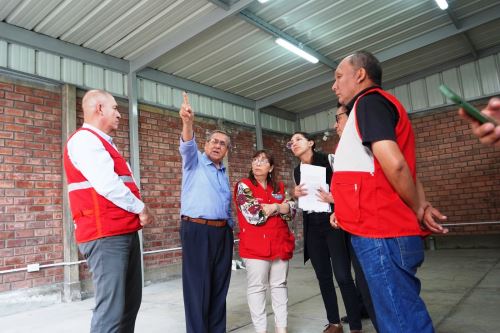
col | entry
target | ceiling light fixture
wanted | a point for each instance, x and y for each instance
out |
(443, 4)
(263, 1)
(295, 49)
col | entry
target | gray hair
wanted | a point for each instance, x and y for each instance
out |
(211, 134)
(366, 60)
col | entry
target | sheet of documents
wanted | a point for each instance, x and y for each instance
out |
(313, 177)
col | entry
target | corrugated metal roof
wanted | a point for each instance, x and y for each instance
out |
(238, 57)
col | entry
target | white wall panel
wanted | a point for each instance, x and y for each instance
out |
(93, 76)
(451, 79)
(125, 84)
(265, 120)
(228, 111)
(140, 89)
(21, 58)
(322, 121)
(309, 124)
(401, 92)
(238, 114)
(113, 82)
(275, 123)
(433, 94)
(48, 65)
(177, 98)
(148, 91)
(290, 126)
(470, 80)
(418, 95)
(249, 116)
(281, 124)
(72, 71)
(163, 94)
(217, 108)
(194, 100)
(3, 53)
(489, 75)
(205, 104)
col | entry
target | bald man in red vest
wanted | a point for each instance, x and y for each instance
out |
(107, 212)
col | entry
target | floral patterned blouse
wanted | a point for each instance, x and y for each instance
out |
(252, 210)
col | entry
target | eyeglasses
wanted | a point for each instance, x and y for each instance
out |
(221, 143)
(260, 161)
(337, 116)
(290, 143)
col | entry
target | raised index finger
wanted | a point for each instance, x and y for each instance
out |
(185, 96)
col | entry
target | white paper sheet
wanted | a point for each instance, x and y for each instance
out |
(313, 177)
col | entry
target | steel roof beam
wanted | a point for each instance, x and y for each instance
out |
(221, 4)
(464, 34)
(317, 109)
(269, 28)
(191, 86)
(49, 44)
(283, 114)
(447, 31)
(295, 90)
(180, 34)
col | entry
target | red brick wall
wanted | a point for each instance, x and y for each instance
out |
(461, 177)
(30, 183)
(161, 182)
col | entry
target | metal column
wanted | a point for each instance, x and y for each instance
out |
(133, 126)
(258, 129)
(72, 287)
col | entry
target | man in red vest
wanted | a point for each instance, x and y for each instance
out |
(107, 211)
(378, 198)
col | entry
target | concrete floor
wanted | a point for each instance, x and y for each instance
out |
(460, 287)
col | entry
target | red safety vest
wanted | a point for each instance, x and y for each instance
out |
(365, 202)
(94, 215)
(271, 240)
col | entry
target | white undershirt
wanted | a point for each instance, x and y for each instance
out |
(88, 155)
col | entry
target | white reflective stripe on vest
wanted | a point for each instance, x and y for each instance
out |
(86, 184)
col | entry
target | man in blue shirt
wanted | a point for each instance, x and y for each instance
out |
(206, 228)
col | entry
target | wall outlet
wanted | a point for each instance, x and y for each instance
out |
(33, 268)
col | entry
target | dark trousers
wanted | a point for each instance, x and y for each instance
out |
(206, 270)
(115, 263)
(328, 249)
(361, 284)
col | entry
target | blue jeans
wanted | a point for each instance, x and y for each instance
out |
(390, 265)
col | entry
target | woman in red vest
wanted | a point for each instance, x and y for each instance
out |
(266, 243)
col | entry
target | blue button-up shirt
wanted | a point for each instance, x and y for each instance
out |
(205, 188)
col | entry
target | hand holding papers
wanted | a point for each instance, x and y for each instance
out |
(313, 178)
